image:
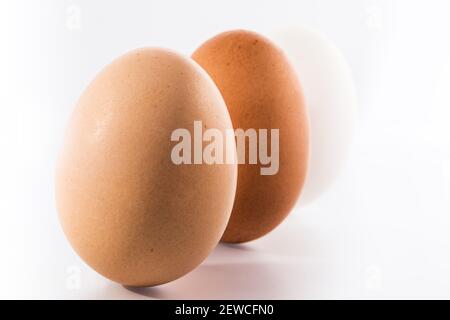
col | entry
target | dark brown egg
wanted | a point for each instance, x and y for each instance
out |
(261, 91)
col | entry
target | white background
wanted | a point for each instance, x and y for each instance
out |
(381, 231)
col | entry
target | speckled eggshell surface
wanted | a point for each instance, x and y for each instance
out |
(127, 209)
(262, 91)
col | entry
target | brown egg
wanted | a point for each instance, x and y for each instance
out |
(128, 210)
(261, 90)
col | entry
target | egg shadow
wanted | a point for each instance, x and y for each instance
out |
(150, 292)
(219, 281)
(243, 272)
(236, 246)
(251, 280)
(239, 281)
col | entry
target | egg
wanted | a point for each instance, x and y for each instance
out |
(331, 100)
(129, 210)
(262, 92)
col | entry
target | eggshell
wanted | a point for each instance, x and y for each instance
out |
(331, 100)
(127, 209)
(262, 91)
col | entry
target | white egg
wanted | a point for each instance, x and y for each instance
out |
(331, 100)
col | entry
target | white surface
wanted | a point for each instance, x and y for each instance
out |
(381, 231)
